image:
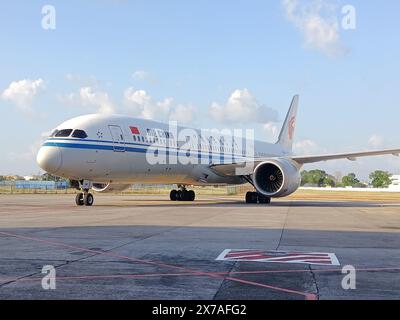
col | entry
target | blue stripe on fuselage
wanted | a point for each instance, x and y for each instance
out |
(91, 146)
(128, 149)
(169, 148)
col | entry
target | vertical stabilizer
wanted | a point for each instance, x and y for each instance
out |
(286, 135)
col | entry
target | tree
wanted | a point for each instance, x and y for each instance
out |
(338, 177)
(13, 178)
(380, 179)
(351, 180)
(317, 178)
(329, 181)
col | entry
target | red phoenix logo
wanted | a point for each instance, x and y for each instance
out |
(292, 124)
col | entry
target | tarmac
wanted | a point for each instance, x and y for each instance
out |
(146, 247)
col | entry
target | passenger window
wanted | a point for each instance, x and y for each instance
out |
(79, 134)
(63, 133)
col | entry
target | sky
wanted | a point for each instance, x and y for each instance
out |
(208, 64)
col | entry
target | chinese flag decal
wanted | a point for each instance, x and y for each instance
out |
(134, 130)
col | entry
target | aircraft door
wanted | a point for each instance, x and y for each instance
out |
(118, 138)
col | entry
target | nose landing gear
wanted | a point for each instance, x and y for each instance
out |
(79, 199)
(85, 197)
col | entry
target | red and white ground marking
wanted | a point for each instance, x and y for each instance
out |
(316, 258)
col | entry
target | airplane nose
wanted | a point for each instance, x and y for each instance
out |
(49, 158)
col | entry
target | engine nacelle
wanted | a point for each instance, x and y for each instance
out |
(277, 178)
(110, 187)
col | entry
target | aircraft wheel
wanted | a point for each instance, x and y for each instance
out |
(248, 197)
(173, 195)
(263, 199)
(191, 195)
(79, 199)
(88, 199)
(185, 195)
(251, 197)
(179, 195)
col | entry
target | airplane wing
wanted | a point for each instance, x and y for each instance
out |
(350, 156)
(247, 167)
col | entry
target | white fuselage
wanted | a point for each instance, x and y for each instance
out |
(117, 149)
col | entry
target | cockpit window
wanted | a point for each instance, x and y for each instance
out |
(79, 134)
(63, 133)
(54, 133)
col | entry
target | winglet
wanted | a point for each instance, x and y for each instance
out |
(287, 132)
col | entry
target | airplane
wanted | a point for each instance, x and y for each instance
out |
(109, 153)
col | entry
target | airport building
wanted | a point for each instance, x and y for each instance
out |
(395, 185)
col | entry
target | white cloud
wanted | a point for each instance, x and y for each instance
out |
(182, 113)
(143, 105)
(318, 23)
(140, 75)
(82, 80)
(22, 92)
(272, 130)
(140, 103)
(98, 101)
(30, 153)
(306, 147)
(136, 103)
(242, 107)
(375, 141)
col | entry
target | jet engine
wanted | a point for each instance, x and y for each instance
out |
(277, 177)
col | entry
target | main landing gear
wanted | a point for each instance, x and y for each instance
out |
(182, 194)
(254, 197)
(85, 197)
